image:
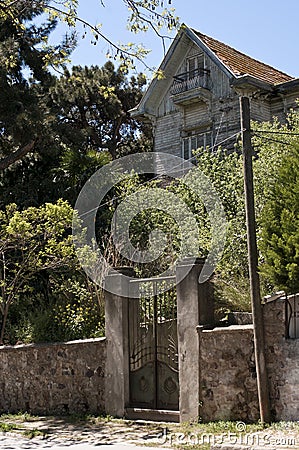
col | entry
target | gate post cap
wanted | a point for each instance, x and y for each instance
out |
(122, 270)
(191, 261)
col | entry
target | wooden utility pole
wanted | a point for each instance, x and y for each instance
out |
(257, 313)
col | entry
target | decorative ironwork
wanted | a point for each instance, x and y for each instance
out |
(190, 80)
(170, 386)
(153, 345)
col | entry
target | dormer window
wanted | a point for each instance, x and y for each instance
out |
(195, 65)
(196, 76)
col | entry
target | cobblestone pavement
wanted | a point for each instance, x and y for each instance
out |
(89, 434)
(47, 433)
(12, 443)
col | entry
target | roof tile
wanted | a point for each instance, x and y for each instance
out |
(241, 64)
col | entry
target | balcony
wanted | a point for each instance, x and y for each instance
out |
(197, 78)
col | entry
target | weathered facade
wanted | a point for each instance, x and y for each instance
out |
(196, 104)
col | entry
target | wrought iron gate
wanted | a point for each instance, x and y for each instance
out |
(292, 315)
(153, 364)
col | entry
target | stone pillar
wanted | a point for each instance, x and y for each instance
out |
(195, 307)
(117, 336)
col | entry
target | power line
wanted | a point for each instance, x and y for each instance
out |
(158, 176)
(277, 141)
(287, 133)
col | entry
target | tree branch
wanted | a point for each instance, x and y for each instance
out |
(118, 48)
(16, 156)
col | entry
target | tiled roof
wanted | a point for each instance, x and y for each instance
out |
(241, 64)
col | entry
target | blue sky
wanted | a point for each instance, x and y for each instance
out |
(264, 29)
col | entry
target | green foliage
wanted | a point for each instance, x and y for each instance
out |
(27, 117)
(37, 257)
(85, 129)
(276, 202)
(142, 16)
(92, 104)
(8, 427)
(277, 210)
(25, 76)
(270, 147)
(158, 225)
(80, 313)
(280, 226)
(225, 173)
(225, 170)
(31, 241)
(55, 132)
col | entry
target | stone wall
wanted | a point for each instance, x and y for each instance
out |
(282, 363)
(228, 377)
(58, 378)
(69, 377)
(227, 369)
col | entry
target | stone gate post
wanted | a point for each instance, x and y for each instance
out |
(195, 306)
(117, 336)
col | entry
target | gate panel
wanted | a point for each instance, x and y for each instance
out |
(293, 316)
(153, 346)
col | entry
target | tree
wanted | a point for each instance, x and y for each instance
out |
(25, 48)
(92, 108)
(88, 124)
(31, 241)
(25, 77)
(224, 170)
(276, 187)
(143, 15)
(93, 121)
(280, 226)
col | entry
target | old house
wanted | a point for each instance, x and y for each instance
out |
(196, 104)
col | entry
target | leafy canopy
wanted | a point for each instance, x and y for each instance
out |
(31, 241)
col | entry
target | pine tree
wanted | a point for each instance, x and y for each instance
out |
(93, 104)
(25, 78)
(87, 123)
(280, 226)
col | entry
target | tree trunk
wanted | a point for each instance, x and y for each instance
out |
(16, 156)
(4, 319)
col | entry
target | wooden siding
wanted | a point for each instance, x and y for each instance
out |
(196, 115)
(260, 110)
(280, 107)
(220, 82)
(194, 51)
(166, 106)
(167, 134)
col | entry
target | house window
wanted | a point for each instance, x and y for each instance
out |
(195, 141)
(194, 66)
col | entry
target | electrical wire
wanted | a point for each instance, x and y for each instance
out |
(288, 133)
(219, 128)
(277, 141)
(158, 176)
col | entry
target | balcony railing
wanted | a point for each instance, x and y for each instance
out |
(191, 80)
